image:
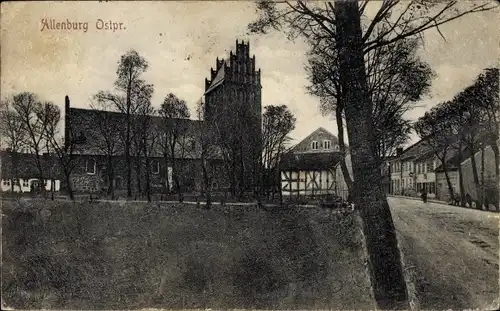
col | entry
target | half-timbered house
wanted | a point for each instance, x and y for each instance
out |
(309, 168)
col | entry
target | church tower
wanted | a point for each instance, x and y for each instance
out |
(233, 103)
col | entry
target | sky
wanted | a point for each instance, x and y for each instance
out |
(181, 40)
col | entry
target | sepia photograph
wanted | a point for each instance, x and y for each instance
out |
(250, 155)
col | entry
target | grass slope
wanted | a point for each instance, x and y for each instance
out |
(112, 256)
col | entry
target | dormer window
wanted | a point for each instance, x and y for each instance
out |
(155, 167)
(327, 144)
(90, 166)
(314, 145)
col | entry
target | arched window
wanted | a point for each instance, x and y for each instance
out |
(155, 167)
(90, 166)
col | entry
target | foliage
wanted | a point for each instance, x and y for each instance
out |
(469, 121)
(132, 94)
(277, 123)
(173, 131)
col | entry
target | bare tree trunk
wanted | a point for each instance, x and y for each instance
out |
(340, 129)
(166, 182)
(384, 257)
(448, 182)
(128, 162)
(460, 176)
(111, 177)
(483, 199)
(67, 175)
(477, 184)
(138, 173)
(147, 172)
(496, 152)
(206, 180)
(446, 175)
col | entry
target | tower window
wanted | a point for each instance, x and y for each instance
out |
(314, 145)
(327, 144)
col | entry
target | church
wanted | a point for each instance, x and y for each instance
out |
(232, 114)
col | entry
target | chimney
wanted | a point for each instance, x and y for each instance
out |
(67, 131)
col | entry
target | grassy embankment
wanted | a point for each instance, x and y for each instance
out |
(112, 255)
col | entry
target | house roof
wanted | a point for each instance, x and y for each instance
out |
(23, 165)
(419, 150)
(310, 161)
(320, 129)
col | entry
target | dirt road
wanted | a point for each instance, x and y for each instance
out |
(454, 252)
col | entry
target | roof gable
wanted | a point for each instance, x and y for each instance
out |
(319, 134)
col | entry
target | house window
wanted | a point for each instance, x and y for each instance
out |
(193, 144)
(90, 166)
(314, 145)
(326, 144)
(215, 186)
(155, 167)
(25, 183)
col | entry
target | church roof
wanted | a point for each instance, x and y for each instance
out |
(218, 80)
(89, 124)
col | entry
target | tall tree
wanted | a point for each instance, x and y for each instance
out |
(106, 137)
(208, 149)
(130, 68)
(30, 112)
(489, 101)
(468, 118)
(397, 78)
(174, 111)
(277, 123)
(434, 127)
(12, 133)
(147, 135)
(56, 143)
(341, 20)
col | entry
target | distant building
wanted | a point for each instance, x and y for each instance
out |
(418, 168)
(19, 172)
(309, 168)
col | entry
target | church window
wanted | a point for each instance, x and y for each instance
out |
(155, 167)
(90, 166)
